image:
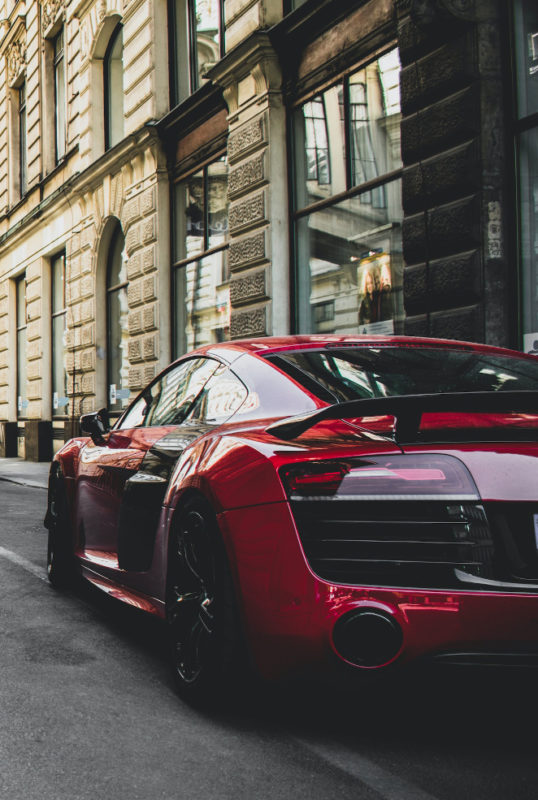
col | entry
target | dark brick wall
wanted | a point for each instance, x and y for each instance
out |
(456, 280)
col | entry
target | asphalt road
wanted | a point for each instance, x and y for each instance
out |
(87, 710)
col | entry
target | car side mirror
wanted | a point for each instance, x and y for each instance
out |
(95, 425)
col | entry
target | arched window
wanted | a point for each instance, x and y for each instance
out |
(117, 322)
(113, 88)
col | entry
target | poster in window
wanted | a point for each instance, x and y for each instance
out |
(376, 296)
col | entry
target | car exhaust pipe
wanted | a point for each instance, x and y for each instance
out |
(367, 637)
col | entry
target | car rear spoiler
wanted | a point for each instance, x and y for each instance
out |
(408, 410)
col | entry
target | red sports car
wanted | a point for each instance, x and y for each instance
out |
(312, 503)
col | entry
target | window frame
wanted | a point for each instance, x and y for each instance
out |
(21, 303)
(351, 191)
(113, 291)
(59, 69)
(111, 113)
(206, 251)
(181, 38)
(58, 315)
(22, 131)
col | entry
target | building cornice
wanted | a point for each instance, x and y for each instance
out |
(240, 61)
(193, 111)
(10, 27)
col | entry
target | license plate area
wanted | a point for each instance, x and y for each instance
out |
(515, 530)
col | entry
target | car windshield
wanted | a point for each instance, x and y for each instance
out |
(350, 373)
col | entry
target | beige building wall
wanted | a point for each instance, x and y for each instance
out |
(68, 206)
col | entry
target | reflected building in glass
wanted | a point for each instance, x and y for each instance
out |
(349, 210)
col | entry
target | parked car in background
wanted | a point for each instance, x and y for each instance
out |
(310, 504)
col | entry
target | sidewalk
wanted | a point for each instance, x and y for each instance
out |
(27, 473)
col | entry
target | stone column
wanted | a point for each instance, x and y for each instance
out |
(258, 212)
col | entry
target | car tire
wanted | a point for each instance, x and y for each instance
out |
(205, 640)
(61, 569)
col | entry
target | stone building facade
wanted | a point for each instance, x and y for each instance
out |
(177, 172)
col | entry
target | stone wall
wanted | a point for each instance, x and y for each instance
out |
(454, 184)
(73, 207)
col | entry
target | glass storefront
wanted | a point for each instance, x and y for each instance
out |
(348, 204)
(118, 324)
(201, 281)
(354, 255)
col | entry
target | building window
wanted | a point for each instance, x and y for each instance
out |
(60, 107)
(201, 285)
(22, 397)
(526, 52)
(196, 29)
(316, 141)
(23, 157)
(59, 327)
(323, 312)
(117, 323)
(290, 5)
(113, 88)
(348, 208)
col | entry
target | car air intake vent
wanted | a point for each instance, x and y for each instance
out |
(401, 544)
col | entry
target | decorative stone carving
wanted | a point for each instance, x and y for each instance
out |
(16, 60)
(246, 138)
(248, 288)
(247, 212)
(49, 13)
(247, 251)
(248, 175)
(248, 323)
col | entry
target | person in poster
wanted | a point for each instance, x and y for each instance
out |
(376, 304)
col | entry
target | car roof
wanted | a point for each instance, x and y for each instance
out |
(278, 344)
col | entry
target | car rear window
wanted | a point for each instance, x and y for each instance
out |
(338, 375)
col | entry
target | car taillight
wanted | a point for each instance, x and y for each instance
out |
(314, 479)
(400, 477)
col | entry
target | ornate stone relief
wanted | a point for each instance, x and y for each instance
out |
(246, 138)
(16, 60)
(246, 176)
(50, 9)
(247, 251)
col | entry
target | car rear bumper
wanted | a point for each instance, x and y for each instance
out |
(294, 620)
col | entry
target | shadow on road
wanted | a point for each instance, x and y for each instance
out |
(457, 710)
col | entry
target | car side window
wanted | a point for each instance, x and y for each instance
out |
(222, 395)
(168, 400)
(136, 415)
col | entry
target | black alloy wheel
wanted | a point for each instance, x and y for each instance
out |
(205, 640)
(61, 569)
